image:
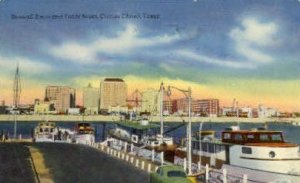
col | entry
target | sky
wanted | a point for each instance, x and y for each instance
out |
(222, 49)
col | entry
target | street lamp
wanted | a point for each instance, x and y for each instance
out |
(188, 95)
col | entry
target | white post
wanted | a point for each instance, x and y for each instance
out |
(206, 172)
(20, 137)
(125, 147)
(245, 178)
(224, 176)
(131, 160)
(143, 165)
(149, 167)
(137, 162)
(127, 157)
(184, 164)
(199, 166)
(152, 158)
(162, 158)
(107, 150)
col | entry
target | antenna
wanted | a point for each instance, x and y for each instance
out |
(17, 89)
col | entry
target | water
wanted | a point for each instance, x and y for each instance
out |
(291, 133)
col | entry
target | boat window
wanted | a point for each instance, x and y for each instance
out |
(46, 130)
(211, 148)
(250, 137)
(264, 137)
(276, 137)
(51, 130)
(220, 148)
(238, 137)
(176, 174)
(41, 129)
(246, 150)
(227, 136)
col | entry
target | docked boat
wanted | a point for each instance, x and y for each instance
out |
(246, 151)
(139, 137)
(48, 132)
(84, 133)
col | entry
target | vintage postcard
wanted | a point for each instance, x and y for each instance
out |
(149, 91)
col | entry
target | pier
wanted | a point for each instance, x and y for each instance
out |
(104, 118)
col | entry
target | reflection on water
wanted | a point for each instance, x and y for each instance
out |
(291, 133)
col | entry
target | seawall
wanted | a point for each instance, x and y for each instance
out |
(102, 118)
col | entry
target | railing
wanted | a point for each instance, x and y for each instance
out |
(138, 162)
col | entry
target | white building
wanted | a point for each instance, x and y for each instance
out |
(113, 92)
(91, 100)
(264, 112)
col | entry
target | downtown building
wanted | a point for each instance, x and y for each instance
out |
(62, 97)
(181, 106)
(91, 100)
(113, 94)
(206, 107)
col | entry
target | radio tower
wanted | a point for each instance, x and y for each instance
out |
(17, 89)
(16, 99)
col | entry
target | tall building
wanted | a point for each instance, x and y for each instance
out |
(62, 97)
(113, 92)
(207, 107)
(151, 101)
(181, 106)
(91, 100)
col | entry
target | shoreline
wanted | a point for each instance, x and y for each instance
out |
(102, 118)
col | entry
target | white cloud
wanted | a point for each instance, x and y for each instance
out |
(253, 37)
(26, 65)
(187, 54)
(124, 42)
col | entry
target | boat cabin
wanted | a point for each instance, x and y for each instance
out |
(84, 128)
(45, 128)
(248, 136)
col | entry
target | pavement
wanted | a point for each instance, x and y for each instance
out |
(65, 163)
(15, 164)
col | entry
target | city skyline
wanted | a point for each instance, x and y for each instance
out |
(225, 50)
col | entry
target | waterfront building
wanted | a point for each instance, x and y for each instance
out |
(41, 108)
(246, 112)
(62, 97)
(91, 100)
(151, 101)
(266, 112)
(181, 106)
(113, 92)
(206, 107)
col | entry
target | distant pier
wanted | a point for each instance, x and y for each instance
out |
(103, 118)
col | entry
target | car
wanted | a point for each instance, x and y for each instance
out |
(169, 174)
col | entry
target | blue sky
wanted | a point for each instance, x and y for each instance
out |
(213, 44)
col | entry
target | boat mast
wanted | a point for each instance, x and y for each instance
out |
(189, 157)
(161, 112)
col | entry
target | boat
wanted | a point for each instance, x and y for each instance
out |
(139, 137)
(48, 132)
(251, 152)
(84, 133)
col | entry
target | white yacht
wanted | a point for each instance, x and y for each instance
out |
(48, 132)
(252, 152)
